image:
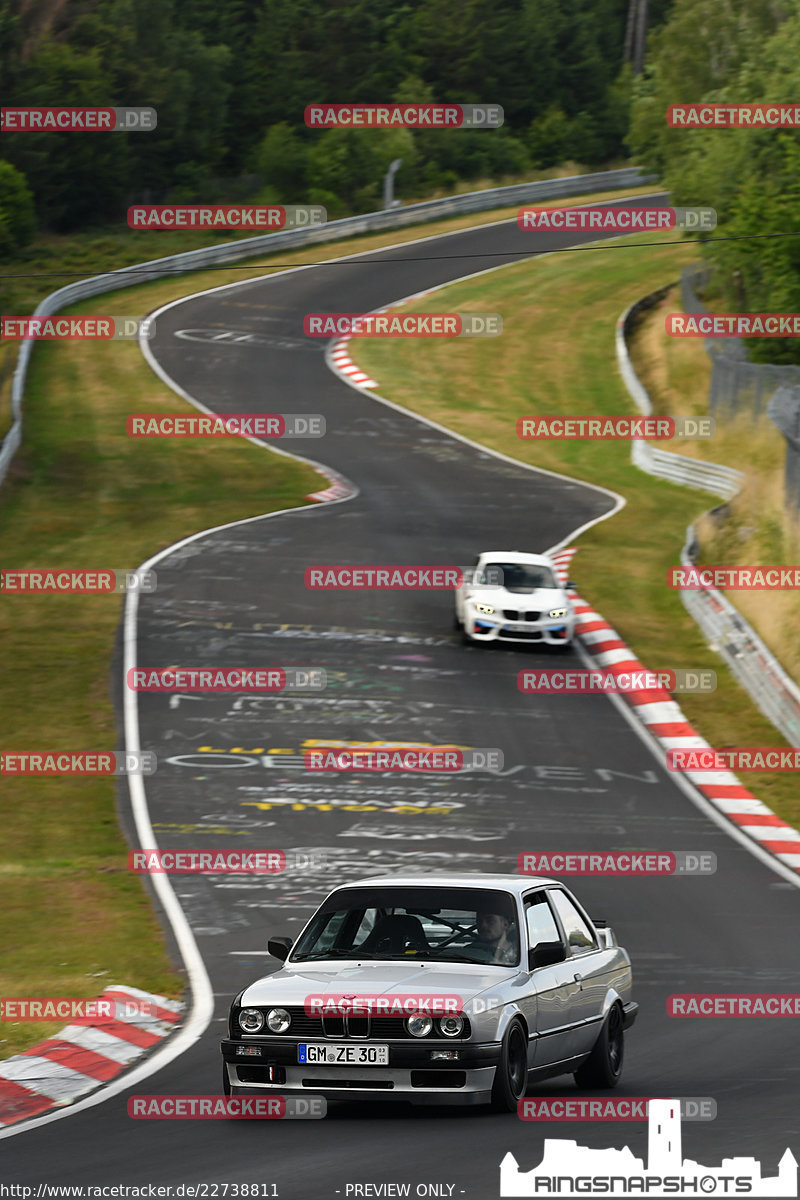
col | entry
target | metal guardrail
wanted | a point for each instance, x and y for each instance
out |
(396, 218)
(665, 464)
(724, 627)
(784, 411)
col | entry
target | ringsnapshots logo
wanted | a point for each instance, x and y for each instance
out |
(623, 1108)
(567, 1169)
(226, 1108)
(733, 116)
(75, 329)
(29, 119)
(253, 425)
(227, 679)
(553, 680)
(406, 324)
(403, 116)
(732, 325)
(624, 219)
(611, 429)
(226, 216)
(77, 762)
(402, 756)
(616, 862)
(65, 581)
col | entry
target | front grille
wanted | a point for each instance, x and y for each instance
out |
(521, 635)
(375, 1029)
(514, 614)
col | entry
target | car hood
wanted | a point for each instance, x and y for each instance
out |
(293, 984)
(502, 597)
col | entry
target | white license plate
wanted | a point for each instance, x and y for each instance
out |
(353, 1056)
(519, 628)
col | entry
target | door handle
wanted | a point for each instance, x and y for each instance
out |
(579, 980)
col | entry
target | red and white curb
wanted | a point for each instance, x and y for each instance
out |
(664, 719)
(344, 364)
(84, 1056)
(340, 489)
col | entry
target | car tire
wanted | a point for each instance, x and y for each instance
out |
(226, 1083)
(603, 1067)
(511, 1075)
(456, 622)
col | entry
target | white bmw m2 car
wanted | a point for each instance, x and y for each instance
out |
(513, 597)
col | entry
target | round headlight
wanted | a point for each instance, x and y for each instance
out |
(251, 1020)
(419, 1026)
(450, 1026)
(278, 1020)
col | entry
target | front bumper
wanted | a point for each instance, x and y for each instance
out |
(550, 632)
(630, 1012)
(411, 1074)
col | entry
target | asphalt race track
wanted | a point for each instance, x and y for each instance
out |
(576, 774)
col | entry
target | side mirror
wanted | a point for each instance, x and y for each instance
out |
(570, 586)
(279, 947)
(546, 954)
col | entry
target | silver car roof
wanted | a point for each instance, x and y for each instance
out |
(516, 884)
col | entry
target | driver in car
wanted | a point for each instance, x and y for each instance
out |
(493, 941)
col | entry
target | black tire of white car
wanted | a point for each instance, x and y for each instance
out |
(603, 1067)
(511, 1075)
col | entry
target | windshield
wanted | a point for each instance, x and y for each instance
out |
(467, 925)
(519, 577)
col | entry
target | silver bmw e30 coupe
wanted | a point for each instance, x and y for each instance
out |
(435, 989)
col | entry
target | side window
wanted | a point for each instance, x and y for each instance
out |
(579, 936)
(540, 921)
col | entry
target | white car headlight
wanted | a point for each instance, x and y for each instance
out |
(251, 1020)
(484, 608)
(278, 1020)
(558, 612)
(419, 1027)
(451, 1026)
